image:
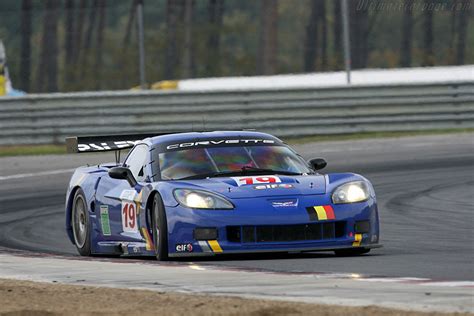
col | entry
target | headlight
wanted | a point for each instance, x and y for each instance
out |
(201, 200)
(351, 192)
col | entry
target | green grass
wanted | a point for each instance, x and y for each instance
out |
(26, 150)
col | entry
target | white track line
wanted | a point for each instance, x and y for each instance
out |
(35, 174)
(450, 284)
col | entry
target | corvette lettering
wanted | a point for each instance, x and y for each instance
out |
(220, 142)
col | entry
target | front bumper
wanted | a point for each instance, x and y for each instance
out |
(182, 223)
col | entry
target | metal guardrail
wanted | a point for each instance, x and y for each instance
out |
(49, 118)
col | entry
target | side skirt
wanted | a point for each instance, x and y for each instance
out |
(289, 250)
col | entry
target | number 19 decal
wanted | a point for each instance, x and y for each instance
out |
(129, 217)
(256, 180)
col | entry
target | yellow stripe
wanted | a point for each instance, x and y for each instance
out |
(357, 240)
(138, 201)
(147, 239)
(321, 213)
(214, 245)
(3, 89)
(165, 85)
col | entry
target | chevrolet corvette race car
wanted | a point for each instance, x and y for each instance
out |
(210, 193)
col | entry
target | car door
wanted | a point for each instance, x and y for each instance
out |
(118, 201)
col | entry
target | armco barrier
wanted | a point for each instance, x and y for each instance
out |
(49, 118)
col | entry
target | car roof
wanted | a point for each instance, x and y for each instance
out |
(198, 136)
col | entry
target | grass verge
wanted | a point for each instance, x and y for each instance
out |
(27, 150)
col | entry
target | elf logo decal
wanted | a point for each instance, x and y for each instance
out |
(256, 180)
(184, 247)
(274, 186)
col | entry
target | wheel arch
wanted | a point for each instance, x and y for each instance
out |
(148, 207)
(70, 201)
(160, 246)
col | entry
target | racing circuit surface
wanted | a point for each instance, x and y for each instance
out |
(424, 186)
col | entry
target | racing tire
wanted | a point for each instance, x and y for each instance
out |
(81, 224)
(351, 252)
(160, 228)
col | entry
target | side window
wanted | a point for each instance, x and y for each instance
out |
(136, 161)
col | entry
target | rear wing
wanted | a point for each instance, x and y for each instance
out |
(83, 144)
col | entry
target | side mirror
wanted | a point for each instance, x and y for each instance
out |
(123, 173)
(317, 163)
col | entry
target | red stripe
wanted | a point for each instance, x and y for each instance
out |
(329, 212)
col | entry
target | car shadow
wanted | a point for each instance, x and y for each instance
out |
(256, 257)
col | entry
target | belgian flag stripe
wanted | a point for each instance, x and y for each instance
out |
(311, 214)
(329, 212)
(321, 213)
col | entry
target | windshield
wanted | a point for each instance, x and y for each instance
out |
(212, 161)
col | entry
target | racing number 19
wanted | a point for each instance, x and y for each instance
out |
(253, 180)
(129, 217)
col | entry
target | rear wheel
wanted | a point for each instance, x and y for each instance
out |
(80, 222)
(160, 228)
(351, 252)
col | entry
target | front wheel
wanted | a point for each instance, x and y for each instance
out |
(351, 252)
(80, 222)
(160, 229)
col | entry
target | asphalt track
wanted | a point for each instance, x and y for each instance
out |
(424, 185)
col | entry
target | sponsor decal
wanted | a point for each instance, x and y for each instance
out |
(274, 186)
(128, 195)
(104, 220)
(220, 142)
(321, 213)
(106, 145)
(285, 203)
(184, 248)
(256, 180)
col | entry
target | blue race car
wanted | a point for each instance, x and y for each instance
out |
(190, 194)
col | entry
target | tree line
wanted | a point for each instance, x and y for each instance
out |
(73, 45)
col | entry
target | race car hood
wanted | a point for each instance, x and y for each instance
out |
(259, 186)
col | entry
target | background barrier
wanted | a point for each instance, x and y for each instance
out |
(49, 118)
